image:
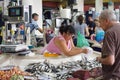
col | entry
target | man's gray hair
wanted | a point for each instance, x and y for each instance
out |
(108, 14)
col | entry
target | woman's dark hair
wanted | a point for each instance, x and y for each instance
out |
(80, 19)
(67, 29)
(34, 14)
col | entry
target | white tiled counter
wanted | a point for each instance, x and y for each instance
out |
(95, 43)
(22, 61)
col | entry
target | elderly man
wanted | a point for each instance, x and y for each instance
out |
(111, 46)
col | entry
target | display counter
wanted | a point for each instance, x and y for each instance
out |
(22, 61)
(60, 63)
(95, 45)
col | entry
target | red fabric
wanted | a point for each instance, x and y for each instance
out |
(85, 74)
(96, 72)
(81, 74)
(73, 79)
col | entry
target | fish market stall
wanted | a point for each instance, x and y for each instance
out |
(51, 68)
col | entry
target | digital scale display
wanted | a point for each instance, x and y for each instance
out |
(15, 11)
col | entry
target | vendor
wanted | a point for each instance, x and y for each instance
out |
(64, 43)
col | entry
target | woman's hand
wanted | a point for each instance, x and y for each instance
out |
(85, 51)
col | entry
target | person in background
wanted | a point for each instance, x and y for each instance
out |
(111, 46)
(0, 36)
(97, 25)
(99, 33)
(34, 24)
(1, 25)
(63, 44)
(91, 26)
(81, 27)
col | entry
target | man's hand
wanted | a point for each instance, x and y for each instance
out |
(98, 59)
(109, 60)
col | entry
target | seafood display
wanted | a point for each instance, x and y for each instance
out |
(62, 71)
(86, 74)
(12, 73)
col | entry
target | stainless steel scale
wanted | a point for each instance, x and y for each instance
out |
(19, 49)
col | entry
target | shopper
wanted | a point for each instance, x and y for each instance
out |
(0, 37)
(91, 25)
(97, 25)
(63, 44)
(81, 27)
(111, 46)
(34, 24)
(99, 32)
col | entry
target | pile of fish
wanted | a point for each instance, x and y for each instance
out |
(62, 71)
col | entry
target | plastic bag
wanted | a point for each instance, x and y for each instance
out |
(81, 41)
(99, 35)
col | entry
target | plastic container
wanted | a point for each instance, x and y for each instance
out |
(48, 54)
(30, 47)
